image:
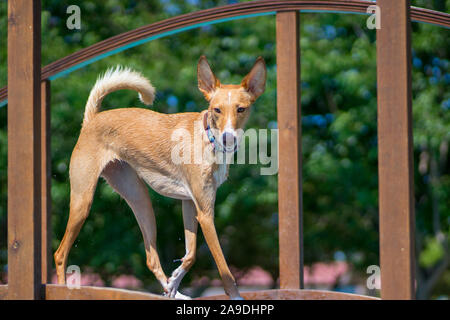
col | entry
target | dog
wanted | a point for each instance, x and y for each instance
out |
(129, 147)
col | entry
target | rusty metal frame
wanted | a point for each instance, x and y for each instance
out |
(29, 131)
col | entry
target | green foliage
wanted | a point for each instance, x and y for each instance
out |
(340, 181)
(432, 254)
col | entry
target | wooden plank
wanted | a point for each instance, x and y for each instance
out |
(3, 292)
(62, 292)
(46, 226)
(24, 144)
(293, 294)
(289, 151)
(395, 155)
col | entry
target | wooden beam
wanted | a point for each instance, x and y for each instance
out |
(293, 294)
(289, 151)
(62, 292)
(46, 226)
(395, 151)
(3, 291)
(24, 147)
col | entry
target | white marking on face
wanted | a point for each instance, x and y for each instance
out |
(228, 126)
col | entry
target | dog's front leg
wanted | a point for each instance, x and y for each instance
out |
(190, 233)
(206, 220)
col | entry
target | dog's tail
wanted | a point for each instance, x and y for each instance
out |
(116, 79)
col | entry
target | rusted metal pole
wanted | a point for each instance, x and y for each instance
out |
(46, 226)
(24, 149)
(395, 155)
(289, 151)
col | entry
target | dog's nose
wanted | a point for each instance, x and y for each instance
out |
(228, 139)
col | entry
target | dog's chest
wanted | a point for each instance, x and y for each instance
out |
(220, 174)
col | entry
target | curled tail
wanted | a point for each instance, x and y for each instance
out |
(116, 79)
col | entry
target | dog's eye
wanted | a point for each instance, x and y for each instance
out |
(217, 110)
(240, 109)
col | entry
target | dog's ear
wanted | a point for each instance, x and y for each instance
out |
(255, 81)
(207, 81)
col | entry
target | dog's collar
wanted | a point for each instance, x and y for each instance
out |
(210, 135)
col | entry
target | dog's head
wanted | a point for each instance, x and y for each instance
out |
(229, 104)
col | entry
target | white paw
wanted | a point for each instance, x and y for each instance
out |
(181, 296)
(174, 282)
(236, 298)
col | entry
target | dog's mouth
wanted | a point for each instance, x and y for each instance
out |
(219, 145)
(230, 149)
(226, 149)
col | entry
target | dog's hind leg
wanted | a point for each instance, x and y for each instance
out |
(124, 179)
(190, 234)
(84, 172)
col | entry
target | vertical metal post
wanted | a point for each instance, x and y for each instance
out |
(395, 155)
(46, 226)
(289, 154)
(24, 149)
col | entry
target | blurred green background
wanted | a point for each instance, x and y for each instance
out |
(338, 69)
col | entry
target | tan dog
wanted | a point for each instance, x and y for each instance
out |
(133, 145)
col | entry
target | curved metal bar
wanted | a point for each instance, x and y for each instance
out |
(201, 18)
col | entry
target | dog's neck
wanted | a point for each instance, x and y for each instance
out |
(220, 170)
(210, 134)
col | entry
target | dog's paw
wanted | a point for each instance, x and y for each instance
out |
(181, 296)
(174, 282)
(177, 295)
